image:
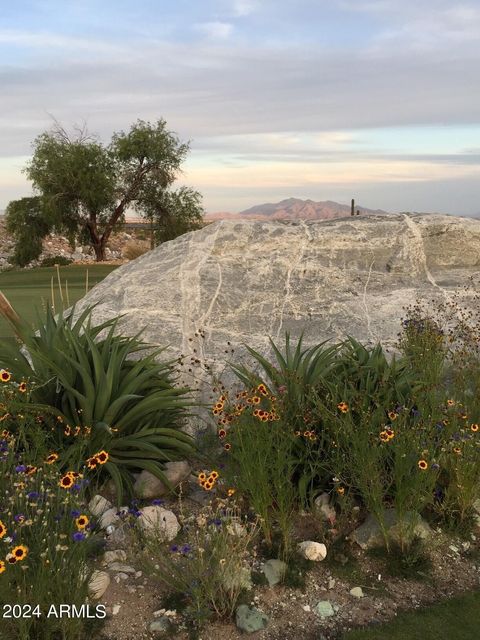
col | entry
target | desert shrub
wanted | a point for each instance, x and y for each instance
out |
(120, 415)
(52, 261)
(134, 249)
(45, 535)
(208, 570)
(261, 448)
(443, 341)
(291, 379)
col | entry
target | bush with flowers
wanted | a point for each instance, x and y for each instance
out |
(209, 568)
(46, 534)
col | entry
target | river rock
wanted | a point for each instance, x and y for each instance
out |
(250, 619)
(241, 281)
(98, 584)
(147, 486)
(98, 505)
(274, 570)
(369, 534)
(310, 550)
(158, 521)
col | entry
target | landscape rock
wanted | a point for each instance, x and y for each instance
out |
(119, 566)
(310, 550)
(98, 505)
(108, 518)
(324, 509)
(117, 555)
(250, 619)
(156, 520)
(327, 279)
(324, 609)
(161, 625)
(369, 534)
(357, 592)
(147, 486)
(274, 571)
(98, 584)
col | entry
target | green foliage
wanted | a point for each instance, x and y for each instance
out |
(431, 623)
(262, 466)
(173, 212)
(102, 399)
(208, 570)
(36, 515)
(85, 187)
(295, 375)
(52, 261)
(28, 223)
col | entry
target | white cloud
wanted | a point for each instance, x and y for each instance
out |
(215, 30)
(243, 7)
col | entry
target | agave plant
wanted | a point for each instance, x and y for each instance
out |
(85, 376)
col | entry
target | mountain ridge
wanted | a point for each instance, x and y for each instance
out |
(294, 209)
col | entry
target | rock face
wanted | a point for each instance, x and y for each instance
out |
(241, 281)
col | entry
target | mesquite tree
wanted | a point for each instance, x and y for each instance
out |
(86, 187)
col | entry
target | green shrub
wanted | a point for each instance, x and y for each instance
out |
(104, 402)
(208, 570)
(52, 261)
(45, 536)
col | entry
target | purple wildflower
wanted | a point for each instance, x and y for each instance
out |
(21, 468)
(78, 536)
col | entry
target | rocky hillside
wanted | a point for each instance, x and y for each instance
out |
(294, 209)
(56, 245)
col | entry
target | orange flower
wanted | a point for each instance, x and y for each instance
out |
(230, 492)
(2, 566)
(22, 387)
(222, 433)
(474, 427)
(3, 529)
(392, 415)
(227, 446)
(5, 376)
(81, 522)
(66, 481)
(384, 436)
(91, 463)
(101, 457)
(422, 464)
(262, 389)
(53, 457)
(343, 406)
(340, 491)
(19, 553)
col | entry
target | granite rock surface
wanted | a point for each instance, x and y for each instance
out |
(241, 281)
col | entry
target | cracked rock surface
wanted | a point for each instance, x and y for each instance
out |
(241, 281)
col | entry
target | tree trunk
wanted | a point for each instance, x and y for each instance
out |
(99, 249)
(98, 243)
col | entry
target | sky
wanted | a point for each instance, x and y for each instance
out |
(377, 100)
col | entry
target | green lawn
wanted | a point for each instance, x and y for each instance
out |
(29, 289)
(456, 619)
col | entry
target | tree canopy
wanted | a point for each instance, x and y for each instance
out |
(84, 187)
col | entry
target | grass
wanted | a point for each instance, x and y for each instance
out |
(456, 619)
(29, 289)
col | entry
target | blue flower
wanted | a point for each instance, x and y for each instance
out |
(174, 548)
(158, 502)
(185, 549)
(78, 536)
(21, 468)
(75, 513)
(19, 517)
(33, 495)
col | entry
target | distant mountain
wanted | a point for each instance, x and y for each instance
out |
(294, 209)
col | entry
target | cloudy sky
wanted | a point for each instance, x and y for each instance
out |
(323, 99)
